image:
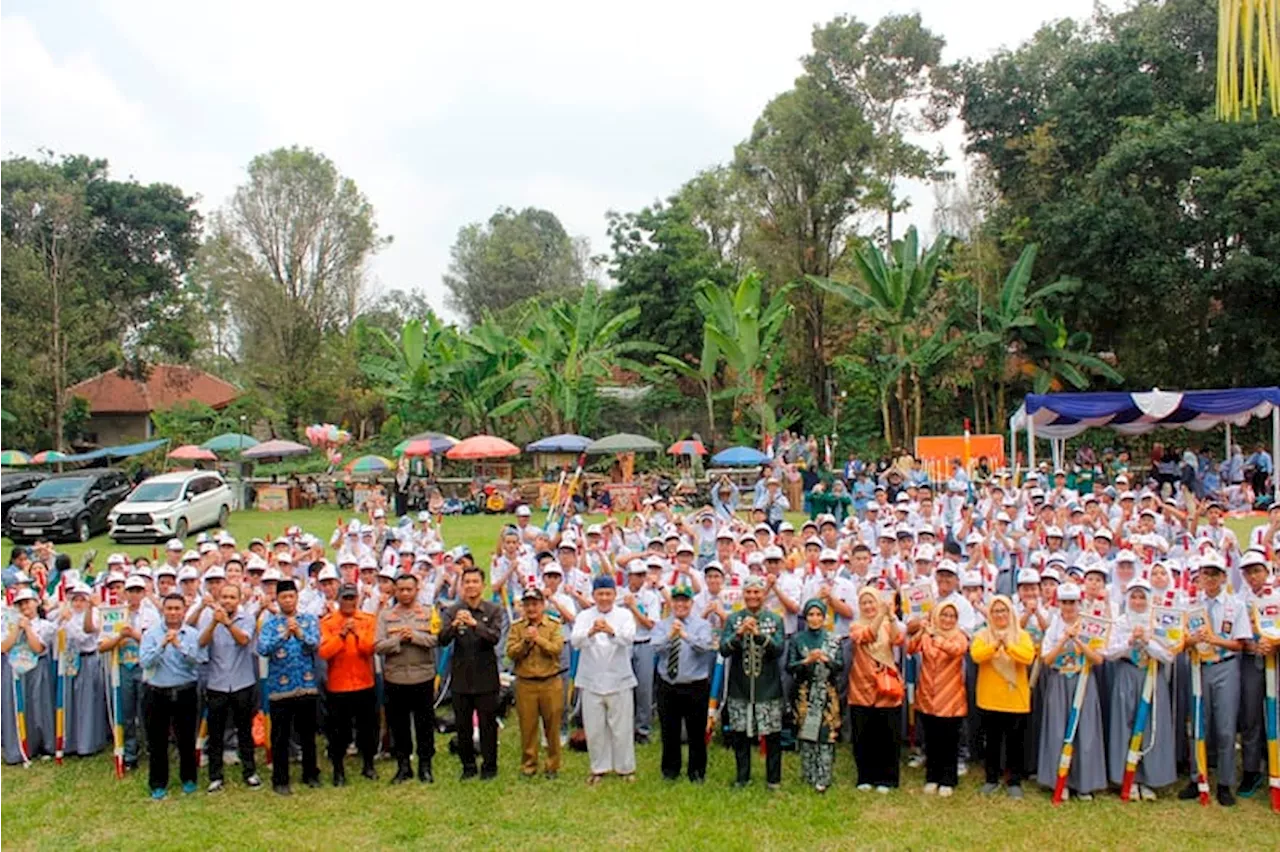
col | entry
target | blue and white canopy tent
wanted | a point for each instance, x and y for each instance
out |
(1059, 416)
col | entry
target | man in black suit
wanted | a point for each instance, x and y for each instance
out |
(474, 627)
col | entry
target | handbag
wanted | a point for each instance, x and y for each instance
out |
(889, 684)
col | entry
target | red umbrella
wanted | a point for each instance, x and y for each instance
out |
(687, 448)
(481, 447)
(190, 452)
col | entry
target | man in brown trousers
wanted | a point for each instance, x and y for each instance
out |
(534, 645)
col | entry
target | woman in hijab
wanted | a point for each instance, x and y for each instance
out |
(24, 655)
(1133, 646)
(814, 661)
(86, 708)
(940, 696)
(1003, 652)
(1065, 652)
(875, 693)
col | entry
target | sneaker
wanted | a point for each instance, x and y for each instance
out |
(882, 790)
(282, 790)
(819, 788)
(1066, 795)
(989, 788)
(773, 787)
(915, 761)
(1084, 797)
(313, 783)
(1189, 792)
(864, 788)
(1015, 791)
(930, 788)
(188, 787)
(1146, 793)
(962, 769)
(253, 782)
(214, 786)
(1224, 796)
(945, 792)
(231, 757)
(159, 793)
(1250, 783)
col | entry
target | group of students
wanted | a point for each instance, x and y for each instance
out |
(1011, 626)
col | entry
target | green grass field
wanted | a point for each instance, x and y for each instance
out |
(80, 805)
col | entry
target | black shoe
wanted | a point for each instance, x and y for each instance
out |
(1224, 796)
(1250, 783)
(488, 774)
(404, 772)
(1189, 792)
(369, 772)
(697, 779)
(551, 775)
(339, 778)
(282, 789)
(468, 774)
(642, 739)
(666, 777)
(740, 784)
(424, 772)
(313, 783)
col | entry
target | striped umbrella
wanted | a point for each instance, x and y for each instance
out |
(48, 457)
(369, 464)
(424, 444)
(14, 457)
(688, 447)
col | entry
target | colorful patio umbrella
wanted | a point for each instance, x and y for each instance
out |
(482, 447)
(424, 444)
(370, 464)
(230, 442)
(48, 457)
(624, 442)
(688, 447)
(14, 457)
(190, 452)
(277, 448)
(566, 443)
(739, 457)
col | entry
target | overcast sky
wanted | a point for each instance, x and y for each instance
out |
(441, 112)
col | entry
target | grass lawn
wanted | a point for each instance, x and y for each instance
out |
(80, 805)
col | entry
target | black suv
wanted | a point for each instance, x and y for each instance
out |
(14, 486)
(68, 506)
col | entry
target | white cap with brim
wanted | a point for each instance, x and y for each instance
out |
(135, 582)
(1028, 577)
(1068, 592)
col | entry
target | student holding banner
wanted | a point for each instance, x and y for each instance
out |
(1216, 645)
(1136, 651)
(1253, 738)
(123, 638)
(1068, 652)
(28, 680)
(85, 707)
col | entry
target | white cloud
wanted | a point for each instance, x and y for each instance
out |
(441, 112)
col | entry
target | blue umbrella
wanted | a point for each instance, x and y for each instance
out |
(559, 444)
(739, 457)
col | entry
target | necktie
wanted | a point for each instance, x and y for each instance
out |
(673, 661)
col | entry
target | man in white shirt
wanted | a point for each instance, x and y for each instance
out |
(603, 634)
(645, 605)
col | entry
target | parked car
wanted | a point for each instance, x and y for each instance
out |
(171, 505)
(14, 486)
(68, 506)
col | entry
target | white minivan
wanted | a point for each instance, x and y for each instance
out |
(171, 505)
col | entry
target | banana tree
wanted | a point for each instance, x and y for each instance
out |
(894, 292)
(745, 336)
(571, 350)
(1052, 358)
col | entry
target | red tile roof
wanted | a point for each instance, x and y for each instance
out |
(166, 385)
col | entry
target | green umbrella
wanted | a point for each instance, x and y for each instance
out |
(230, 442)
(14, 457)
(624, 443)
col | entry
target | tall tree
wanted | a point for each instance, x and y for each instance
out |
(292, 247)
(806, 170)
(895, 75)
(513, 257)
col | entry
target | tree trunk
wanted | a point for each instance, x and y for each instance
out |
(884, 415)
(915, 377)
(711, 412)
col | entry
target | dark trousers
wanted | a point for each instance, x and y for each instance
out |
(358, 710)
(164, 708)
(875, 744)
(684, 706)
(288, 714)
(742, 746)
(414, 702)
(1005, 733)
(941, 748)
(485, 707)
(241, 706)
